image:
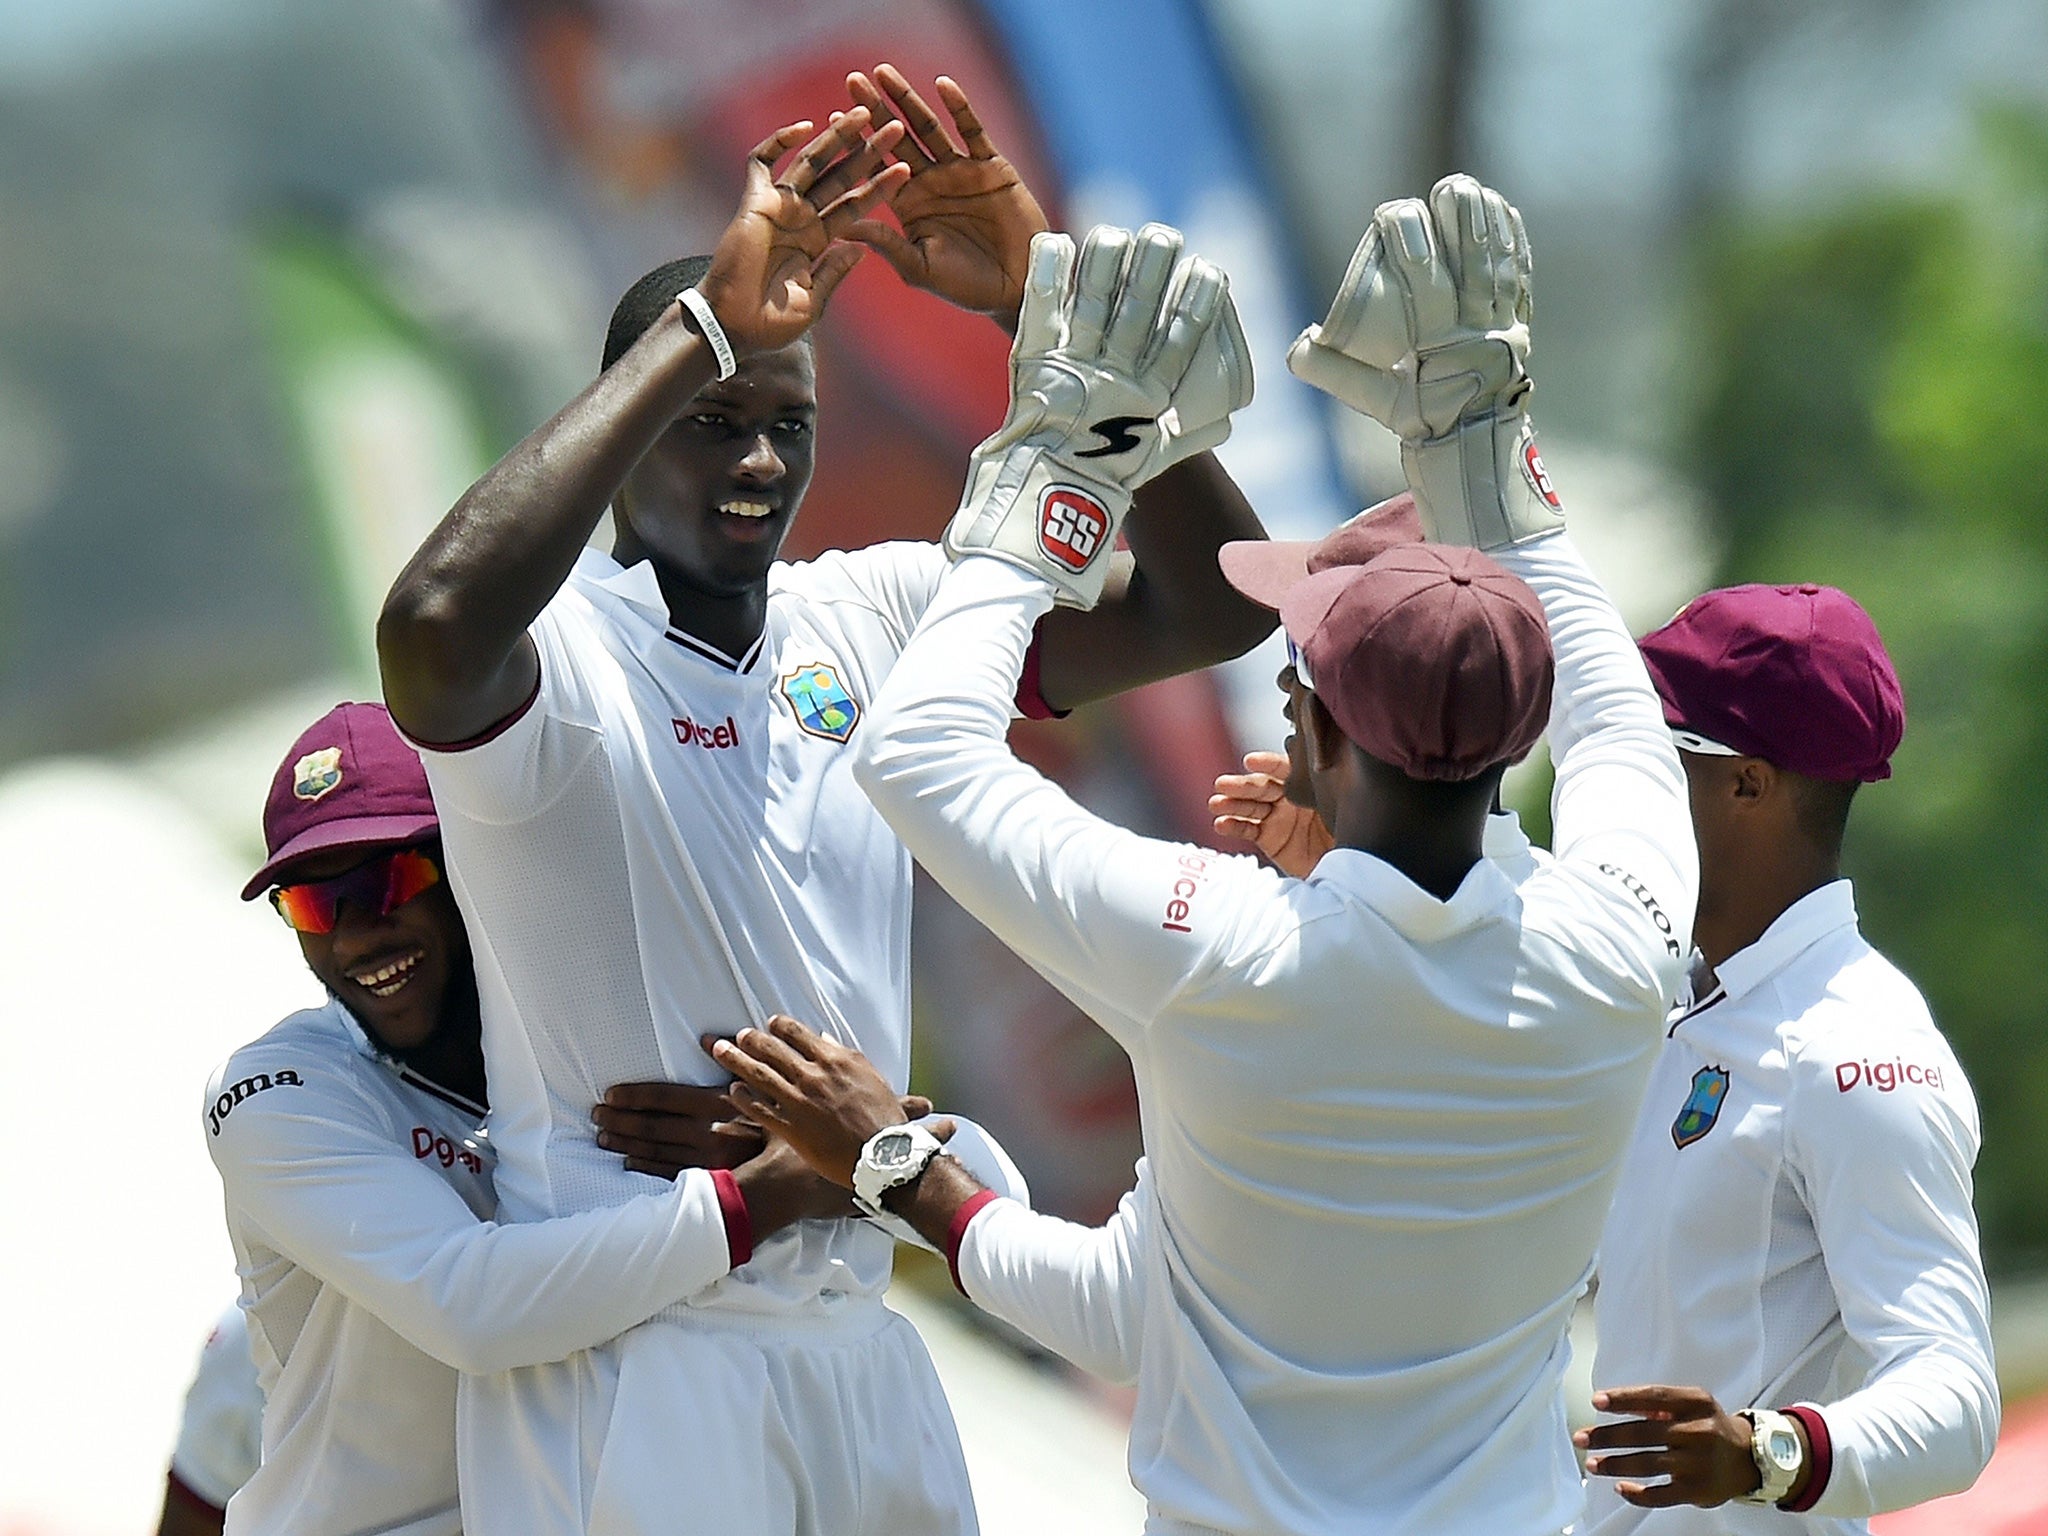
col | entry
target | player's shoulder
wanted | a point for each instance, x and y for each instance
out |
(1860, 1044)
(309, 1058)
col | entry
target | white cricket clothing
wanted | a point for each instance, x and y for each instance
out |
(357, 1201)
(220, 1431)
(1794, 1226)
(668, 842)
(737, 1423)
(1079, 1291)
(1382, 1129)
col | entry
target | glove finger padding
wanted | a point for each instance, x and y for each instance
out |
(1136, 361)
(1098, 277)
(1136, 320)
(1429, 335)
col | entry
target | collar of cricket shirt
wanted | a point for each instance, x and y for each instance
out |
(1820, 912)
(1415, 913)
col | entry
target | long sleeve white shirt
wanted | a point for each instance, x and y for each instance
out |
(1794, 1227)
(357, 1202)
(1381, 1128)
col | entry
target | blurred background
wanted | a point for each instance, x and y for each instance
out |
(276, 282)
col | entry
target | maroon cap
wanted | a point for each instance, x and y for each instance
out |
(350, 781)
(1263, 569)
(1431, 658)
(1795, 675)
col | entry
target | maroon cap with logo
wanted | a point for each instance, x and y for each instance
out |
(1795, 675)
(1263, 569)
(1432, 658)
(350, 781)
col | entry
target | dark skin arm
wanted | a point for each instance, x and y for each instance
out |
(1682, 1433)
(968, 220)
(451, 641)
(665, 1128)
(185, 1516)
(824, 1101)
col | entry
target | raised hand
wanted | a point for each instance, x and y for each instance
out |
(1128, 358)
(1429, 335)
(967, 216)
(781, 256)
(1253, 807)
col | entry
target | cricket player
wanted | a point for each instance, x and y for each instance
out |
(1792, 1310)
(350, 1146)
(220, 1433)
(1384, 1106)
(642, 762)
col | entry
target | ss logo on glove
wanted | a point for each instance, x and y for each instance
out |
(1071, 525)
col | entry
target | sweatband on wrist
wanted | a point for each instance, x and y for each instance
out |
(714, 333)
(739, 1224)
(956, 1231)
(1822, 1445)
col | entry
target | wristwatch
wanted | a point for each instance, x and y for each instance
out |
(893, 1156)
(1774, 1442)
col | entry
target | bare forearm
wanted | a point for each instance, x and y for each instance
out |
(449, 638)
(931, 1201)
(1176, 613)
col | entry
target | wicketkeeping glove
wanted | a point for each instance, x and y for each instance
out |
(1128, 358)
(1429, 334)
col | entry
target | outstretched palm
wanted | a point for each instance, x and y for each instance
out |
(782, 255)
(967, 216)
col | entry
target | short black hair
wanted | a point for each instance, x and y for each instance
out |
(648, 299)
(644, 303)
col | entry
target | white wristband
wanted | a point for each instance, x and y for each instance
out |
(714, 333)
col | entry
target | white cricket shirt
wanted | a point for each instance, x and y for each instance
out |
(1079, 1291)
(220, 1430)
(1381, 1128)
(357, 1197)
(668, 842)
(1793, 1226)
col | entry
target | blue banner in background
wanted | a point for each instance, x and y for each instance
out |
(1142, 121)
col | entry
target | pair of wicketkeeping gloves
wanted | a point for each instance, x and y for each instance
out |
(1129, 357)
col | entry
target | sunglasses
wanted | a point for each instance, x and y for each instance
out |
(387, 883)
(1300, 664)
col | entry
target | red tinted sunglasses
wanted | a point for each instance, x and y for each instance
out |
(386, 883)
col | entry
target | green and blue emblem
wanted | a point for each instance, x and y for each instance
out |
(821, 702)
(1702, 1106)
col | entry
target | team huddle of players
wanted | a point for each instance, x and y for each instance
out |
(1400, 1080)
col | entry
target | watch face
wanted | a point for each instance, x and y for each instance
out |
(892, 1151)
(1782, 1446)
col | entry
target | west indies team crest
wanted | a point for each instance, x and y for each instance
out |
(821, 702)
(1702, 1106)
(316, 773)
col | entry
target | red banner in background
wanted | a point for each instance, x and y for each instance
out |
(2010, 1499)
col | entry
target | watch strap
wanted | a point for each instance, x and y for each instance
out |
(871, 1182)
(1775, 1479)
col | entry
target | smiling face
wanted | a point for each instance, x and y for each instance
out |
(712, 500)
(393, 970)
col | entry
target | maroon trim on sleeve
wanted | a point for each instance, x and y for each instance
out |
(178, 1491)
(493, 733)
(739, 1226)
(956, 1231)
(1030, 698)
(1823, 1445)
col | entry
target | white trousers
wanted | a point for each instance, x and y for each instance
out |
(731, 1427)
